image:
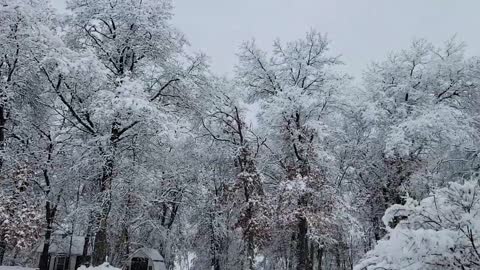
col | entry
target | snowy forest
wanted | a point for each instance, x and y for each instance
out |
(114, 130)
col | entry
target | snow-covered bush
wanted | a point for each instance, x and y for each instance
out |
(440, 232)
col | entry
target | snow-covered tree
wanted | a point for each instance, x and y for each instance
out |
(414, 118)
(439, 232)
(295, 89)
(119, 81)
(224, 122)
(27, 36)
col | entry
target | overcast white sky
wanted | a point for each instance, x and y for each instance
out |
(360, 30)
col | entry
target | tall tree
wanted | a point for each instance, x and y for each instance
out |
(26, 37)
(225, 124)
(295, 88)
(417, 117)
(120, 43)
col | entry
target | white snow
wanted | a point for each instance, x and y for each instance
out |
(104, 266)
(15, 268)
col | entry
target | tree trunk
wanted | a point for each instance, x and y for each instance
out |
(123, 246)
(249, 235)
(50, 212)
(216, 264)
(319, 258)
(3, 247)
(311, 258)
(377, 229)
(2, 130)
(250, 252)
(303, 261)
(337, 258)
(44, 258)
(83, 258)
(214, 248)
(101, 246)
(251, 188)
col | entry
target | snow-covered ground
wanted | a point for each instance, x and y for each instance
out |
(104, 266)
(16, 268)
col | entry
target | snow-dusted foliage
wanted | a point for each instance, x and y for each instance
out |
(422, 88)
(20, 220)
(441, 231)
